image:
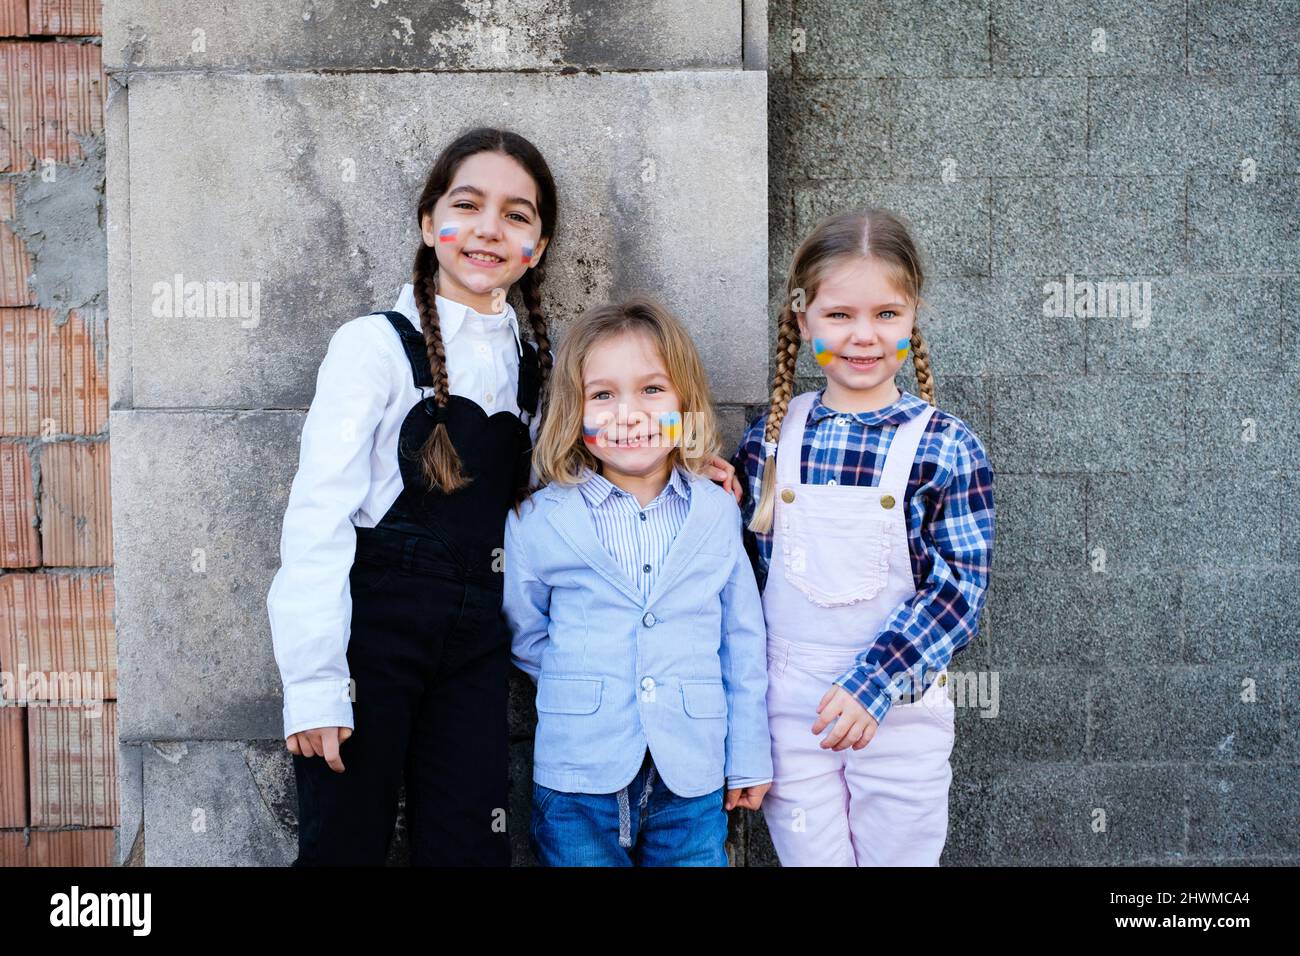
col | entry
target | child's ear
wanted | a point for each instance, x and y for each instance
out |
(803, 325)
(426, 229)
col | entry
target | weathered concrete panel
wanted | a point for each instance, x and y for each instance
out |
(198, 499)
(304, 187)
(546, 35)
(218, 803)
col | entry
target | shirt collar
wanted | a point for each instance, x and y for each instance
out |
(596, 488)
(452, 315)
(902, 409)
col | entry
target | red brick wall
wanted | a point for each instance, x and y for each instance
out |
(58, 719)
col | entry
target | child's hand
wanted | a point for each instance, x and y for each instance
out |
(751, 798)
(724, 472)
(855, 726)
(320, 742)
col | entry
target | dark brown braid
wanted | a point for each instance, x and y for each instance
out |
(530, 287)
(438, 458)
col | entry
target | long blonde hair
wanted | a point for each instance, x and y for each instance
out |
(856, 234)
(560, 454)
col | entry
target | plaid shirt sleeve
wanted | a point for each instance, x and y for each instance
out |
(921, 635)
(748, 462)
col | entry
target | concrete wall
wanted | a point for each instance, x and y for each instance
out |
(1142, 612)
(285, 145)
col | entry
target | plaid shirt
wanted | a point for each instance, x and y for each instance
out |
(949, 512)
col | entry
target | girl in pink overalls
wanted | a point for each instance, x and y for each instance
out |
(870, 515)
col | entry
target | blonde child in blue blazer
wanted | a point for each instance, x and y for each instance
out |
(633, 606)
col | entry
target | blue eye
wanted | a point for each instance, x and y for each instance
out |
(889, 312)
(833, 314)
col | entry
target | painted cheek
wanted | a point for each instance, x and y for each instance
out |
(448, 231)
(670, 425)
(821, 352)
(526, 253)
(902, 348)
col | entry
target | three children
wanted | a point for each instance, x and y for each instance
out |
(669, 688)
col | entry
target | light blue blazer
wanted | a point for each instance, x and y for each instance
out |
(684, 672)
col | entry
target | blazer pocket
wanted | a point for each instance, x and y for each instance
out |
(704, 698)
(568, 695)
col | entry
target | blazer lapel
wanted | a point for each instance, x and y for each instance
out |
(572, 521)
(686, 545)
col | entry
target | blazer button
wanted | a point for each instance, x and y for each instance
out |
(787, 496)
(887, 501)
(648, 620)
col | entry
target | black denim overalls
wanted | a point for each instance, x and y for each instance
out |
(429, 650)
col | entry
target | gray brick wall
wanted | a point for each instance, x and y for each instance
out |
(1142, 615)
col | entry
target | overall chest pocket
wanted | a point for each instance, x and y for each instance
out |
(835, 550)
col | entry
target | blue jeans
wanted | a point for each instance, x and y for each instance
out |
(644, 824)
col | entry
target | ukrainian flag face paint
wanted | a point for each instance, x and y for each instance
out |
(821, 352)
(670, 427)
(902, 347)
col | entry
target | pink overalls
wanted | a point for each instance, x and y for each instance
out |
(839, 567)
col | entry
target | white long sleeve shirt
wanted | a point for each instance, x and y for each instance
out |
(348, 477)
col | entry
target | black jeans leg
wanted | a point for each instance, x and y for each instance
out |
(347, 819)
(457, 765)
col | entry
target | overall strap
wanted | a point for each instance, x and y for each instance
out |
(413, 345)
(530, 382)
(527, 392)
(902, 452)
(789, 448)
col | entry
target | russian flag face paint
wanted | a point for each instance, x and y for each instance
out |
(591, 436)
(670, 426)
(902, 347)
(527, 256)
(821, 353)
(447, 231)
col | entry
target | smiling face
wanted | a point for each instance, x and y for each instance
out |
(631, 412)
(859, 325)
(486, 231)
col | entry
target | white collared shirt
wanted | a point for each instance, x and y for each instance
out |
(348, 476)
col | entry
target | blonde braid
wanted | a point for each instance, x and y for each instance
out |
(921, 363)
(787, 354)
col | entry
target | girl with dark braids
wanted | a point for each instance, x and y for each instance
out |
(386, 613)
(870, 524)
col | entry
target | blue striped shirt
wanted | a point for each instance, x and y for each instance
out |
(949, 512)
(639, 538)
